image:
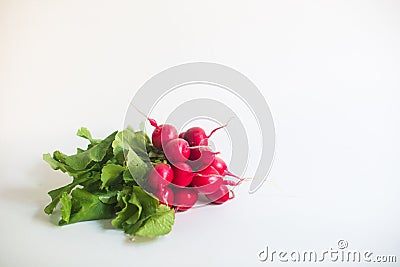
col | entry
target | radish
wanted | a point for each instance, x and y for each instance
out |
(219, 165)
(181, 134)
(163, 134)
(207, 181)
(183, 174)
(220, 196)
(160, 176)
(177, 150)
(165, 195)
(201, 158)
(185, 198)
(197, 151)
(222, 168)
(196, 136)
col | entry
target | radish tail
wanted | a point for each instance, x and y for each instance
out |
(218, 128)
(151, 121)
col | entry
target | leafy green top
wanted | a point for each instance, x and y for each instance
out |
(104, 184)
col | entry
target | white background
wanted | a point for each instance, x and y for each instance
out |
(328, 69)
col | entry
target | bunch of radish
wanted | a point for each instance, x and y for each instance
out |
(192, 168)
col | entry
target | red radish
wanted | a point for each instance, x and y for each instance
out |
(177, 150)
(207, 181)
(201, 158)
(220, 196)
(183, 174)
(165, 195)
(181, 134)
(185, 198)
(219, 165)
(209, 171)
(206, 184)
(222, 168)
(196, 136)
(195, 153)
(160, 175)
(163, 134)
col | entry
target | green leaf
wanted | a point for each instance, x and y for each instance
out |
(158, 224)
(139, 143)
(131, 210)
(93, 182)
(111, 174)
(55, 197)
(56, 194)
(122, 215)
(137, 167)
(104, 184)
(57, 162)
(127, 176)
(149, 207)
(59, 156)
(108, 197)
(54, 164)
(134, 200)
(128, 139)
(66, 205)
(149, 203)
(137, 207)
(85, 133)
(118, 144)
(95, 153)
(87, 206)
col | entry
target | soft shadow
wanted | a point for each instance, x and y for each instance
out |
(139, 240)
(106, 224)
(129, 240)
